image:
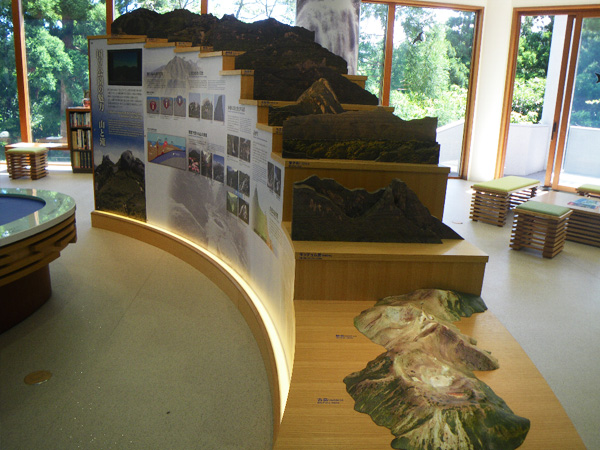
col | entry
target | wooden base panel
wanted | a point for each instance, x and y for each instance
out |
(427, 181)
(370, 271)
(320, 413)
(584, 228)
(22, 297)
(539, 232)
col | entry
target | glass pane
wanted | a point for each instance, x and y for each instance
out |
(283, 11)
(581, 162)
(159, 6)
(10, 130)
(430, 72)
(371, 46)
(541, 41)
(57, 60)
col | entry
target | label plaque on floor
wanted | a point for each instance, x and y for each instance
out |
(38, 377)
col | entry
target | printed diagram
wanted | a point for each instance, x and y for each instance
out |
(167, 150)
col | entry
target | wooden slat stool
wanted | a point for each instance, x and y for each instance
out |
(589, 190)
(540, 226)
(493, 199)
(25, 161)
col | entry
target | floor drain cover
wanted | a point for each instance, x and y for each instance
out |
(38, 377)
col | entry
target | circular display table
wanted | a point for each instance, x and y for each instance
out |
(35, 225)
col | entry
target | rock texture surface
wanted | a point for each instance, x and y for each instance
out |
(286, 59)
(375, 135)
(318, 99)
(324, 210)
(120, 187)
(423, 388)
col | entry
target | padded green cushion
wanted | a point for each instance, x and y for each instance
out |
(27, 150)
(543, 208)
(589, 188)
(507, 184)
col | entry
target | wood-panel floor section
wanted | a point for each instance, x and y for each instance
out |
(320, 414)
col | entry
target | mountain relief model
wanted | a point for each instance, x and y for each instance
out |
(376, 135)
(319, 98)
(286, 59)
(324, 210)
(120, 187)
(423, 388)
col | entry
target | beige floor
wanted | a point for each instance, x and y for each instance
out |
(147, 353)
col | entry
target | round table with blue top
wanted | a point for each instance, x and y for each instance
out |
(35, 226)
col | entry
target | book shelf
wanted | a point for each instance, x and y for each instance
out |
(79, 137)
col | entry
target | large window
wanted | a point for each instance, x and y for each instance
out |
(9, 104)
(57, 62)
(251, 11)
(419, 60)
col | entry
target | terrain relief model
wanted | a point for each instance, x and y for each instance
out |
(423, 387)
(290, 66)
(324, 210)
(286, 60)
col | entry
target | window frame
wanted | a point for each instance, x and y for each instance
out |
(473, 75)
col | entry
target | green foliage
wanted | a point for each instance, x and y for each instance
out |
(534, 46)
(528, 100)
(431, 60)
(373, 19)
(586, 98)
(9, 105)
(448, 108)
(532, 67)
(460, 30)
(56, 46)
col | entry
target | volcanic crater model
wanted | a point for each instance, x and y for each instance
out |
(324, 210)
(423, 388)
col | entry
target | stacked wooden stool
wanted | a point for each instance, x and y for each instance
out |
(26, 161)
(540, 226)
(589, 190)
(493, 200)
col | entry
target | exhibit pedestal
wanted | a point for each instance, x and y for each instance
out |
(427, 181)
(372, 270)
(320, 413)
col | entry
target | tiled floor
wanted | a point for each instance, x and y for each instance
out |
(146, 353)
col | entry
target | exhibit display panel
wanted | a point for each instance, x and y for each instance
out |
(174, 149)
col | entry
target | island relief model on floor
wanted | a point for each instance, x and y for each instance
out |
(324, 210)
(423, 387)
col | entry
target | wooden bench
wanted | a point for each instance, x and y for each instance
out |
(492, 200)
(26, 161)
(540, 226)
(589, 190)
